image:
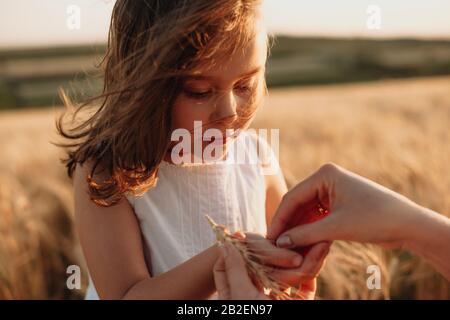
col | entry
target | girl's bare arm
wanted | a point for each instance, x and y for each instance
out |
(275, 190)
(112, 245)
(113, 249)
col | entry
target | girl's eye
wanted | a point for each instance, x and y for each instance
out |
(197, 94)
(243, 89)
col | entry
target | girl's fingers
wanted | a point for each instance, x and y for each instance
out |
(290, 277)
(278, 257)
(231, 277)
(239, 281)
(268, 253)
(240, 235)
(310, 268)
(220, 279)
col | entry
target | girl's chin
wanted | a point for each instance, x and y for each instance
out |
(205, 157)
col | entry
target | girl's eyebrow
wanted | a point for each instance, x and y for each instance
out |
(250, 73)
(242, 76)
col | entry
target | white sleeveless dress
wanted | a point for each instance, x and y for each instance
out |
(172, 214)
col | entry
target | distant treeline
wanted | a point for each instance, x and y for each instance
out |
(306, 61)
(31, 77)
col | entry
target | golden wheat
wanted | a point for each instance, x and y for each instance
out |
(258, 271)
(394, 132)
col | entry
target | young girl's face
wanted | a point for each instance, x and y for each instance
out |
(213, 94)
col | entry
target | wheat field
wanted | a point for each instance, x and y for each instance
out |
(394, 132)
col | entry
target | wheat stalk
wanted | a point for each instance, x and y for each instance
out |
(257, 270)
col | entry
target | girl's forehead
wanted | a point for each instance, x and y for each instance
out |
(246, 61)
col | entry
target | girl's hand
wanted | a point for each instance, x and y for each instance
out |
(233, 282)
(289, 267)
(231, 277)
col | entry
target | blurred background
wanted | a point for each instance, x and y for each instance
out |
(365, 84)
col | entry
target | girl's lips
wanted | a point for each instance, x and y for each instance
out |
(213, 140)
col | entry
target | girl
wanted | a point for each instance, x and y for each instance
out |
(140, 215)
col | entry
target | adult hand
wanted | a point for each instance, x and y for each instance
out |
(362, 211)
(289, 267)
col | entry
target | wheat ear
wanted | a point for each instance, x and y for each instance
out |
(258, 271)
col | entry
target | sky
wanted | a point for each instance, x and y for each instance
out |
(51, 22)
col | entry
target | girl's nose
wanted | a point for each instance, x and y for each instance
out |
(226, 106)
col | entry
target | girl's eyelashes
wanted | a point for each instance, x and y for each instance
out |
(197, 94)
(244, 88)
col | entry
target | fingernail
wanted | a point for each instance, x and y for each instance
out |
(284, 242)
(297, 261)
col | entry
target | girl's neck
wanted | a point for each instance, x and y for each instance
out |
(196, 161)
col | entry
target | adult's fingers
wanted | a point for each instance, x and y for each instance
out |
(304, 192)
(308, 234)
(314, 260)
(268, 253)
(280, 257)
(310, 268)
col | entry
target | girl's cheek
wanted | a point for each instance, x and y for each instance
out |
(185, 112)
